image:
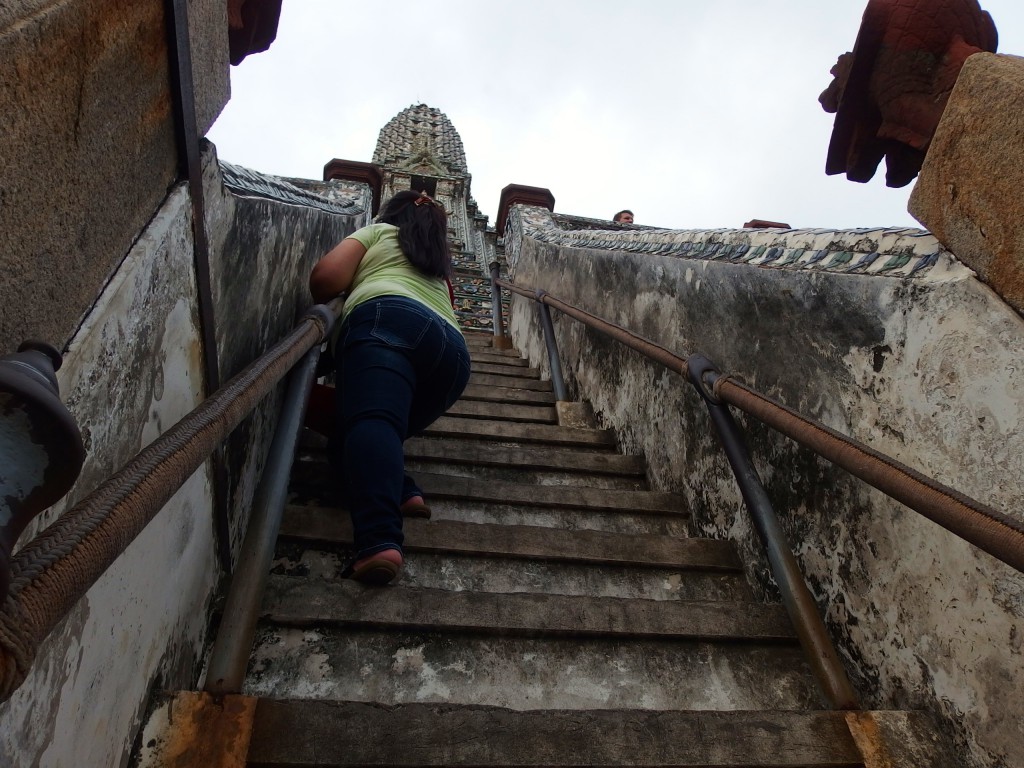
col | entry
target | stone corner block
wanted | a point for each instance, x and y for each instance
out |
(575, 415)
(968, 193)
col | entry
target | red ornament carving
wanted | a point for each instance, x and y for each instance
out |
(889, 93)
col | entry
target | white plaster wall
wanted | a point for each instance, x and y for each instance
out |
(131, 371)
(922, 619)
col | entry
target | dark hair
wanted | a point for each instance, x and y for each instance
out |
(422, 231)
(617, 215)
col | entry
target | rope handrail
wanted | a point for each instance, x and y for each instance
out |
(56, 568)
(988, 529)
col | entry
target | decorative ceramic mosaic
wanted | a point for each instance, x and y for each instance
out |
(909, 253)
(420, 129)
(346, 198)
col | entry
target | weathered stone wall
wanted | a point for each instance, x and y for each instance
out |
(264, 242)
(133, 370)
(924, 367)
(89, 149)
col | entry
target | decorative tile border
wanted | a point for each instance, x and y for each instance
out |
(905, 253)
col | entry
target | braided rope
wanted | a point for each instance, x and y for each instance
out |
(57, 568)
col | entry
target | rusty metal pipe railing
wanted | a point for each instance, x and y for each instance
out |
(54, 570)
(986, 528)
(796, 596)
(555, 363)
(225, 672)
(497, 320)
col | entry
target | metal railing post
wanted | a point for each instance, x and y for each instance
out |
(501, 341)
(557, 382)
(796, 597)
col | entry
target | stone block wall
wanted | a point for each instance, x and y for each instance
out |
(922, 365)
(86, 116)
(969, 190)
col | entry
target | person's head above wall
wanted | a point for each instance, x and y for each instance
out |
(623, 217)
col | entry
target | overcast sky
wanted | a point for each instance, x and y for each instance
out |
(693, 113)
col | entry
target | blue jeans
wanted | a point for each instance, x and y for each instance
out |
(400, 366)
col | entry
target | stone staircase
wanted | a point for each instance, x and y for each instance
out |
(553, 611)
(472, 288)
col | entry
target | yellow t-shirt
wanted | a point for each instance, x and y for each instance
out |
(385, 271)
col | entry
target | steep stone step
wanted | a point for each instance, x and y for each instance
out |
(514, 412)
(391, 667)
(497, 380)
(440, 486)
(320, 524)
(454, 426)
(487, 454)
(489, 349)
(306, 602)
(508, 371)
(520, 476)
(507, 395)
(316, 479)
(343, 733)
(480, 356)
(475, 339)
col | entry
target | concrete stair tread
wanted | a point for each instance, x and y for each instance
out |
(507, 395)
(527, 542)
(487, 348)
(498, 358)
(441, 486)
(455, 426)
(483, 379)
(483, 453)
(515, 412)
(341, 733)
(302, 602)
(503, 369)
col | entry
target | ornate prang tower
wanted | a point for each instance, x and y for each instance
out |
(420, 149)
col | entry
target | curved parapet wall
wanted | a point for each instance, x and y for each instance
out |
(880, 334)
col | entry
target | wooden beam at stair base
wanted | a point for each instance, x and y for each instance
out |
(307, 602)
(342, 734)
(440, 486)
(325, 524)
(540, 458)
(454, 426)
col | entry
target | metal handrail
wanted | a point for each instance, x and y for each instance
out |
(225, 671)
(54, 570)
(986, 528)
(989, 530)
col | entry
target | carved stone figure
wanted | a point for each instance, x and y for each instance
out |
(889, 92)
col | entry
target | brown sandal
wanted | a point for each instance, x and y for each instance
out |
(415, 507)
(379, 568)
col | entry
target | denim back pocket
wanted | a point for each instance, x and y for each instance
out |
(401, 324)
